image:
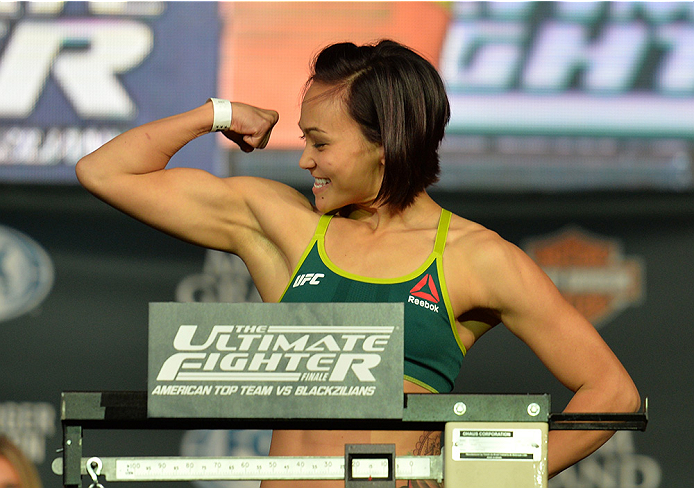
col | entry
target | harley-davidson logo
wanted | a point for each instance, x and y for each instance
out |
(590, 271)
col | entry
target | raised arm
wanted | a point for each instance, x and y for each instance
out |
(245, 216)
(529, 305)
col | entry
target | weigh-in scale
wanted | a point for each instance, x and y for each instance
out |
(489, 440)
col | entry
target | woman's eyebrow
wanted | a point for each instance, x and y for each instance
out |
(308, 130)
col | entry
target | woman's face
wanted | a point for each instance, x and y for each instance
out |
(8, 475)
(346, 167)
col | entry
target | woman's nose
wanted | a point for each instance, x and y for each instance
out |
(306, 160)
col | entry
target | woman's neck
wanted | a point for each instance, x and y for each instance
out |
(420, 210)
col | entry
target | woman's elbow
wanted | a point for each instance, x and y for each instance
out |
(626, 396)
(87, 173)
(633, 399)
(81, 171)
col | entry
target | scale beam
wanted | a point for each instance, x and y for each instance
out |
(117, 469)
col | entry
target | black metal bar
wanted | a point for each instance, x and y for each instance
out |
(72, 455)
(128, 410)
(620, 425)
(600, 421)
(596, 417)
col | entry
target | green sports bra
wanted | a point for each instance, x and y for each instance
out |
(433, 350)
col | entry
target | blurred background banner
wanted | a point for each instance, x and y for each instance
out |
(75, 74)
(544, 95)
(572, 136)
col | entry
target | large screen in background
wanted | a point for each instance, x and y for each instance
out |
(544, 95)
(75, 74)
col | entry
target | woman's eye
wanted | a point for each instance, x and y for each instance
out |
(315, 145)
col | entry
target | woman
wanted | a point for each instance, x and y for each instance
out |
(16, 470)
(373, 118)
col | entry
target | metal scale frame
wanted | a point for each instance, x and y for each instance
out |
(490, 440)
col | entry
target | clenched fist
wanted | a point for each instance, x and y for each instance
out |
(251, 126)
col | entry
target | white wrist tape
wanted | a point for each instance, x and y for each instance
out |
(222, 114)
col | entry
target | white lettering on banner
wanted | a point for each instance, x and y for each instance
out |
(182, 390)
(275, 353)
(48, 147)
(183, 341)
(550, 71)
(262, 390)
(360, 364)
(495, 62)
(610, 62)
(653, 12)
(83, 57)
(335, 391)
(484, 53)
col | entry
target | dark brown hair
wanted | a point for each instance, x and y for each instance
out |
(399, 100)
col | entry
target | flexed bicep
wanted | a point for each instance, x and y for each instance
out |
(186, 203)
(129, 172)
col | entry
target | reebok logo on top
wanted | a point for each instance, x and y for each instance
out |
(425, 294)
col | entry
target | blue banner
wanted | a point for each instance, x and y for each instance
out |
(75, 74)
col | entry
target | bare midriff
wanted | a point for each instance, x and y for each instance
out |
(332, 443)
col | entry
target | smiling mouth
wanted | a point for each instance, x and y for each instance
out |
(321, 182)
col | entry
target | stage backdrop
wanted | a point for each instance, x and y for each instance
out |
(571, 136)
(90, 330)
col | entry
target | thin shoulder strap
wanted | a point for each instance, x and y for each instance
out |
(322, 226)
(442, 231)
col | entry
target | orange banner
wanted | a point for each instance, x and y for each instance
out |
(266, 47)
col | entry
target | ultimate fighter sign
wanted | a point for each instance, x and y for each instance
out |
(252, 360)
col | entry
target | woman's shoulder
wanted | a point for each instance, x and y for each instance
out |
(270, 197)
(278, 212)
(491, 272)
(480, 248)
(464, 233)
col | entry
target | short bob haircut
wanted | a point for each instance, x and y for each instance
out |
(399, 100)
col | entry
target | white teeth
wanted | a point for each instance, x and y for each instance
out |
(320, 182)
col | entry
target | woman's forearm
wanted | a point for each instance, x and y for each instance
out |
(566, 447)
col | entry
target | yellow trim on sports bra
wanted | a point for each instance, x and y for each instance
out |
(320, 230)
(439, 245)
(449, 306)
(365, 279)
(420, 383)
